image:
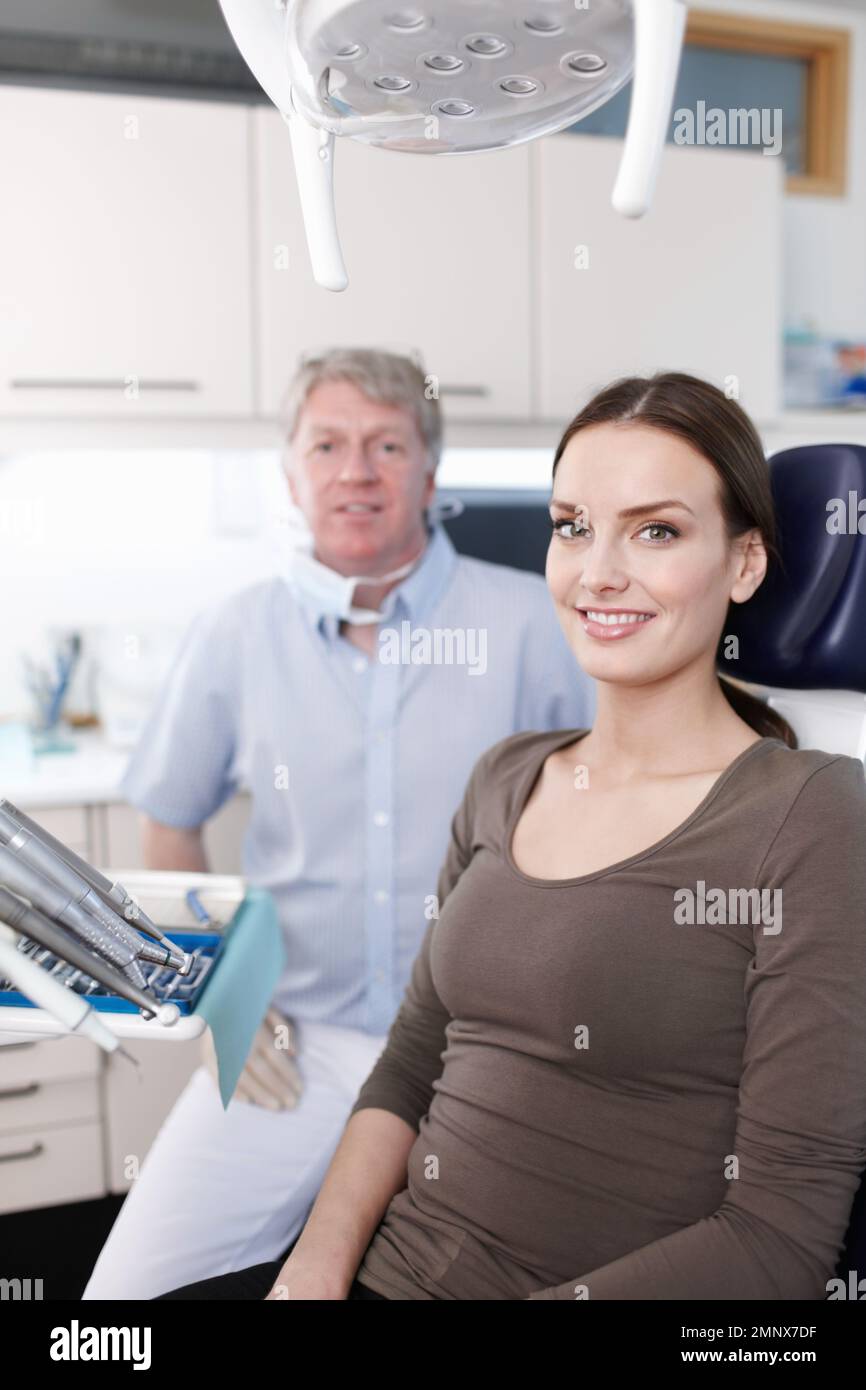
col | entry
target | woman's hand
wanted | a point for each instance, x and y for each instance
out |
(304, 1283)
(368, 1168)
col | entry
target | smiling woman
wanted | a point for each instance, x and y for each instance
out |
(668, 568)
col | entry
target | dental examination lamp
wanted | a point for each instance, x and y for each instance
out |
(455, 77)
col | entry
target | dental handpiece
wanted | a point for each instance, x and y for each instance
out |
(40, 857)
(114, 895)
(56, 903)
(35, 925)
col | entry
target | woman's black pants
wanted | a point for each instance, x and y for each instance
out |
(252, 1283)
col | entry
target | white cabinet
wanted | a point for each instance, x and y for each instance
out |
(51, 1132)
(124, 256)
(438, 255)
(138, 1101)
(694, 286)
(153, 265)
(74, 1123)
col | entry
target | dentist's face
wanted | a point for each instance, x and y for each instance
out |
(642, 579)
(358, 470)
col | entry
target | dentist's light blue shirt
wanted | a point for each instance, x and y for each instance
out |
(355, 766)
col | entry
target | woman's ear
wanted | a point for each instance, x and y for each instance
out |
(750, 566)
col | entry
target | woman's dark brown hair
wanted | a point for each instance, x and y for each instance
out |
(721, 430)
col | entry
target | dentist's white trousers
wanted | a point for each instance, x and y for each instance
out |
(223, 1189)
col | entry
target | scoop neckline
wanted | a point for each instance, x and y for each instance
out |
(576, 735)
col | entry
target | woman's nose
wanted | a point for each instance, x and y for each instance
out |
(603, 569)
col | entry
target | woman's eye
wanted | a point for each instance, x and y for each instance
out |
(660, 532)
(560, 527)
(324, 445)
(668, 532)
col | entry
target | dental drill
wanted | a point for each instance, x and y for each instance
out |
(29, 846)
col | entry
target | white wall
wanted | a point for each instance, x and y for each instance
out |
(111, 538)
(825, 250)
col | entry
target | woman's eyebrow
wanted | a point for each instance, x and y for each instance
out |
(628, 512)
(645, 507)
(565, 506)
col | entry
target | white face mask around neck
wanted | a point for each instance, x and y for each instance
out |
(333, 592)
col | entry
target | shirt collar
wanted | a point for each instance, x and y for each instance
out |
(415, 595)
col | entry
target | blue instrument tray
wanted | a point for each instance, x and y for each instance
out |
(167, 985)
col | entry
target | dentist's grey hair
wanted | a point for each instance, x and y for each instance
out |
(382, 376)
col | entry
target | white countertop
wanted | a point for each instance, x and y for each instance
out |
(91, 774)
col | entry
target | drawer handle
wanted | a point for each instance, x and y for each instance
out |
(33, 1152)
(114, 384)
(461, 390)
(17, 1091)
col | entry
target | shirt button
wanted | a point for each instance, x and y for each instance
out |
(359, 665)
(379, 975)
(381, 895)
(380, 818)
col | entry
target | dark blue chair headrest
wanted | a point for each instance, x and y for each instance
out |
(805, 627)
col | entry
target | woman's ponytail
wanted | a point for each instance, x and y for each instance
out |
(757, 715)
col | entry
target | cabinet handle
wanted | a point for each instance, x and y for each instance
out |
(16, 1091)
(461, 390)
(34, 383)
(33, 1152)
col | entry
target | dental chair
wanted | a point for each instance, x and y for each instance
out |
(800, 643)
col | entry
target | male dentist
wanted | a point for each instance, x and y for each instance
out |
(355, 762)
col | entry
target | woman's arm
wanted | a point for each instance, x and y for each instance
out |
(800, 1141)
(368, 1168)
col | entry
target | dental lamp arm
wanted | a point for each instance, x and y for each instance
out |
(313, 152)
(659, 32)
(258, 31)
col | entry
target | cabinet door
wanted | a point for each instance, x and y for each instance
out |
(438, 255)
(693, 286)
(134, 1114)
(124, 256)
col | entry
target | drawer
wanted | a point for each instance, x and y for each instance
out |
(53, 1059)
(45, 1167)
(39, 1103)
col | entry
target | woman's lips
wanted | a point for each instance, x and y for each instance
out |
(612, 625)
